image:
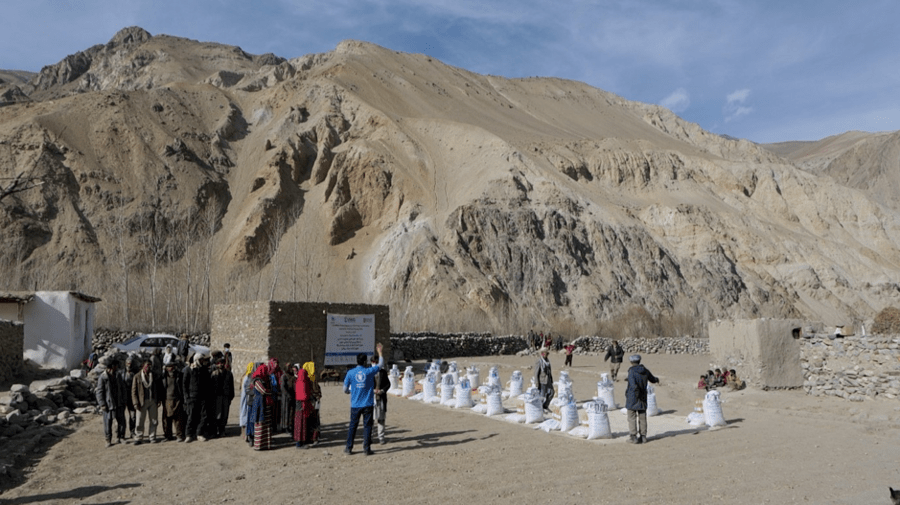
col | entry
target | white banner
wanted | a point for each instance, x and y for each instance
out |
(347, 336)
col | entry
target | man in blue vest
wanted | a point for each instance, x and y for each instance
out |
(359, 383)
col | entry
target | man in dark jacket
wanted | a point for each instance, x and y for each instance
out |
(636, 399)
(223, 382)
(173, 402)
(110, 392)
(615, 353)
(198, 392)
(126, 377)
(543, 377)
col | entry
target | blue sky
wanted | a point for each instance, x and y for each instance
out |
(763, 70)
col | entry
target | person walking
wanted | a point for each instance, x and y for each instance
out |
(382, 384)
(543, 376)
(146, 398)
(636, 399)
(110, 393)
(615, 354)
(360, 384)
(570, 348)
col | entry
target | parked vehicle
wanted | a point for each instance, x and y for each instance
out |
(146, 342)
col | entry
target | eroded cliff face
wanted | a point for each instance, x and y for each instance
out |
(463, 201)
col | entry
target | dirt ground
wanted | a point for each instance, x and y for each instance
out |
(778, 447)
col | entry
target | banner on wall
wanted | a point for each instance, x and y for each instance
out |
(347, 336)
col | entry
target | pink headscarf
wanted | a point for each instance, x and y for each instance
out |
(303, 389)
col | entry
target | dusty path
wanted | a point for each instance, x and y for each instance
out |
(779, 447)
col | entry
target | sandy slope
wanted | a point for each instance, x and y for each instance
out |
(778, 447)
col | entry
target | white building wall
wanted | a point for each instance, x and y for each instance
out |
(50, 339)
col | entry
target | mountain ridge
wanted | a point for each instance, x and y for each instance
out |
(461, 200)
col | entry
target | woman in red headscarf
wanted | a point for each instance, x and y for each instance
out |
(305, 433)
(265, 384)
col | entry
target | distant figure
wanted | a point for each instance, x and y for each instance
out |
(734, 382)
(615, 354)
(569, 349)
(703, 384)
(543, 377)
(636, 399)
(184, 347)
(228, 359)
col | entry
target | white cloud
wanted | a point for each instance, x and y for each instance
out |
(677, 101)
(738, 96)
(735, 105)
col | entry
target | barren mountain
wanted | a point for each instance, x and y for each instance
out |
(177, 173)
(866, 161)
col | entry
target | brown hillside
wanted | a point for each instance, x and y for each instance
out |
(207, 175)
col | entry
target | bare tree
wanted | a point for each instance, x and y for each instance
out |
(17, 184)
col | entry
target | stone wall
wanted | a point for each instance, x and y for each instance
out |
(764, 352)
(427, 345)
(853, 368)
(667, 345)
(293, 332)
(12, 347)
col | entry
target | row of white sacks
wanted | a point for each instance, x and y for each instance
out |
(453, 389)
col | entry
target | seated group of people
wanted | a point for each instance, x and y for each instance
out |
(715, 379)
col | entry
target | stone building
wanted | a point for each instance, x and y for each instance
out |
(293, 332)
(764, 352)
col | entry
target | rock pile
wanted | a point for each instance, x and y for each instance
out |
(42, 411)
(853, 368)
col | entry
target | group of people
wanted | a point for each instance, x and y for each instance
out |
(716, 379)
(192, 397)
(275, 400)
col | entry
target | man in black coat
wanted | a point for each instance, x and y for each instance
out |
(198, 394)
(615, 353)
(173, 402)
(636, 399)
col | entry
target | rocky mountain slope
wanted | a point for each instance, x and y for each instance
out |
(178, 174)
(866, 161)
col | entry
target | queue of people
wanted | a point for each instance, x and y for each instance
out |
(191, 398)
